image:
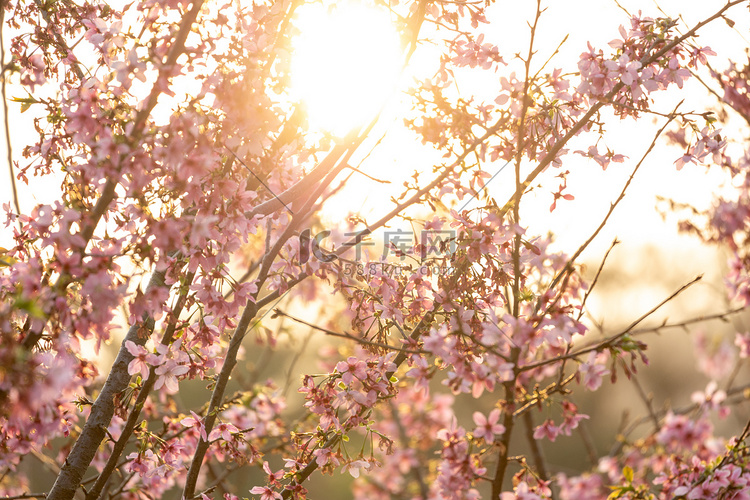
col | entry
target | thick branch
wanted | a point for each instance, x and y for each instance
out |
(145, 389)
(230, 358)
(95, 429)
(109, 189)
(508, 423)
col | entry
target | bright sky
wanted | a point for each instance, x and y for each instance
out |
(585, 21)
(646, 278)
(400, 155)
(346, 63)
(582, 21)
(635, 221)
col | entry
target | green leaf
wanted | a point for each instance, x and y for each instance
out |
(26, 102)
(627, 472)
(30, 306)
(5, 259)
(615, 494)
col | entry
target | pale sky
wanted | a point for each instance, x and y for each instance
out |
(582, 20)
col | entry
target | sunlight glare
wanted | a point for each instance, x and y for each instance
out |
(345, 64)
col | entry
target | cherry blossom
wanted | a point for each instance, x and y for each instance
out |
(488, 427)
(192, 234)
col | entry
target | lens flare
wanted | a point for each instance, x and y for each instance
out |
(346, 62)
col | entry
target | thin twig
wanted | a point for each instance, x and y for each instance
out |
(569, 267)
(588, 443)
(626, 430)
(6, 121)
(698, 319)
(348, 336)
(596, 277)
(610, 341)
(258, 178)
(648, 399)
(536, 449)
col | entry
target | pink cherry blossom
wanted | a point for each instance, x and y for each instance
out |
(195, 421)
(520, 492)
(139, 364)
(223, 429)
(488, 427)
(593, 371)
(324, 456)
(547, 430)
(195, 208)
(265, 493)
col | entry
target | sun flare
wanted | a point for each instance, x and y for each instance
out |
(345, 64)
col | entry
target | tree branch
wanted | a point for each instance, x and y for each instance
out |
(145, 389)
(95, 429)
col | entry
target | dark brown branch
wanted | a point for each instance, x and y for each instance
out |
(648, 399)
(508, 422)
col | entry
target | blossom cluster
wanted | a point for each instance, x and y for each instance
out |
(189, 187)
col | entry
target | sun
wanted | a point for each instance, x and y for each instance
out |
(346, 62)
